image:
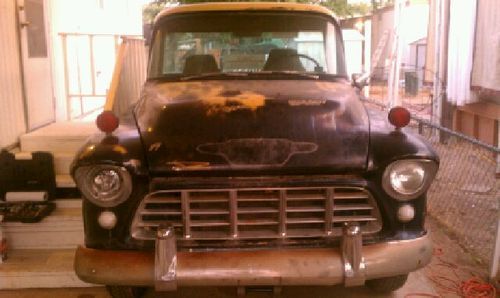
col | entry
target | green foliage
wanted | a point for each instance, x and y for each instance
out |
(150, 11)
(340, 7)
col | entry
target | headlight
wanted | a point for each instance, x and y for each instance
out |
(407, 179)
(104, 185)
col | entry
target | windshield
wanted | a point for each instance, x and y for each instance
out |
(202, 44)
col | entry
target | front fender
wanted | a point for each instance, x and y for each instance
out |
(386, 147)
(121, 148)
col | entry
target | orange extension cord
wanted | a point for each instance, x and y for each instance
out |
(473, 287)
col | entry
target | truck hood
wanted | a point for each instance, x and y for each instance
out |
(247, 125)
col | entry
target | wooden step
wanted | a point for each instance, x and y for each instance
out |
(65, 137)
(60, 230)
(39, 268)
(65, 181)
(68, 203)
(62, 162)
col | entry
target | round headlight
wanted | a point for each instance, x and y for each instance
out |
(407, 179)
(104, 185)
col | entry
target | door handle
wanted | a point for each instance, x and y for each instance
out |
(24, 24)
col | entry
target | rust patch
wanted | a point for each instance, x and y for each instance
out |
(230, 93)
(154, 147)
(187, 165)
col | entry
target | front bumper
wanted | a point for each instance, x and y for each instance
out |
(315, 266)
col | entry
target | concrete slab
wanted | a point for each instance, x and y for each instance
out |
(39, 268)
(417, 283)
(31, 268)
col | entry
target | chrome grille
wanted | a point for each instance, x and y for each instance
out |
(253, 214)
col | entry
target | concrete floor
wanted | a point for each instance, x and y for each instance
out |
(417, 283)
(450, 261)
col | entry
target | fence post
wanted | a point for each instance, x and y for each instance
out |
(496, 253)
(498, 155)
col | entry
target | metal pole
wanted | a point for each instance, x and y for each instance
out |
(393, 83)
(436, 100)
(498, 155)
(66, 76)
(496, 250)
(92, 63)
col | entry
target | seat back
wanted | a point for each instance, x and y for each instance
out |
(283, 60)
(198, 64)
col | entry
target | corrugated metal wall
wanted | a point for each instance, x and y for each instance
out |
(12, 123)
(133, 74)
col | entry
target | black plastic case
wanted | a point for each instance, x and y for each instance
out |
(36, 174)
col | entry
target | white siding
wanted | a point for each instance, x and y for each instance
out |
(486, 69)
(12, 123)
(353, 45)
(460, 51)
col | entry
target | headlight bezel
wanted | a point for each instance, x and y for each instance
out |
(85, 175)
(430, 168)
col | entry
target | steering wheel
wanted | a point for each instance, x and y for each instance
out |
(317, 67)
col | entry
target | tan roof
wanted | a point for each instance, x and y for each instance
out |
(249, 6)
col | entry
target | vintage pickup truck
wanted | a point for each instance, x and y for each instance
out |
(251, 160)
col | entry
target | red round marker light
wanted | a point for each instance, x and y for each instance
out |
(107, 121)
(399, 117)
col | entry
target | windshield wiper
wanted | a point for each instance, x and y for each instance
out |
(214, 75)
(289, 73)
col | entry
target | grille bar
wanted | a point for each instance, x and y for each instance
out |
(186, 214)
(329, 207)
(282, 219)
(256, 214)
(233, 211)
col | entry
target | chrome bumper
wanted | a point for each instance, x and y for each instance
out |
(168, 268)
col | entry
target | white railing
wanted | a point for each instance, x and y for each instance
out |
(96, 65)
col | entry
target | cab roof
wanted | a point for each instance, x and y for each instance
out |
(244, 6)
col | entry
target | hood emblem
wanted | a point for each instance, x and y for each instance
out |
(257, 152)
(306, 102)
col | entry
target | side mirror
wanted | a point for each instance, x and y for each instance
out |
(360, 80)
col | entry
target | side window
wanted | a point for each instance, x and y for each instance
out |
(37, 42)
(155, 68)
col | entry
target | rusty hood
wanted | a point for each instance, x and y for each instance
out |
(246, 125)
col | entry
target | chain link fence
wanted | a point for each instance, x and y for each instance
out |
(465, 196)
